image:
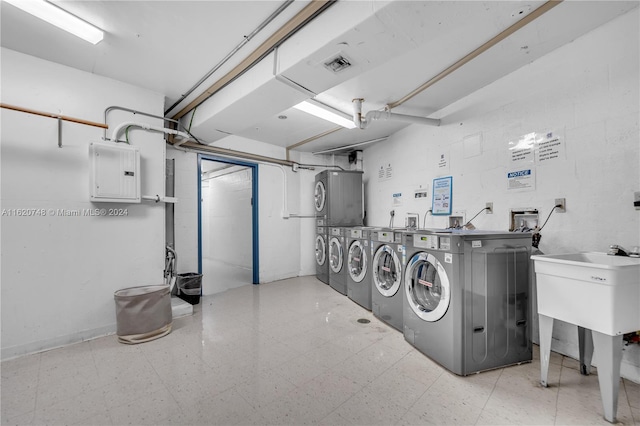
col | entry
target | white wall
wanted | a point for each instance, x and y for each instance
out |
(59, 273)
(588, 91)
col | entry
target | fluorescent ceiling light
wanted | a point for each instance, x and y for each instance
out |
(325, 113)
(60, 18)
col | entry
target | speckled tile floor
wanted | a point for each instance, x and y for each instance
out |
(288, 352)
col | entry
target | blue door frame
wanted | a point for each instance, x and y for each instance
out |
(254, 210)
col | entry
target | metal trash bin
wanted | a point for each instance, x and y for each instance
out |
(143, 313)
(189, 287)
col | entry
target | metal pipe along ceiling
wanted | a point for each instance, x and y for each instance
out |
(309, 12)
(456, 65)
(224, 60)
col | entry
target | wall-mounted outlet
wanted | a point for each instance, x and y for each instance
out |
(562, 203)
(489, 208)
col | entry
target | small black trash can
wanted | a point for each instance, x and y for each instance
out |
(189, 287)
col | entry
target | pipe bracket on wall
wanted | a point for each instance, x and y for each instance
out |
(58, 117)
(59, 132)
(159, 199)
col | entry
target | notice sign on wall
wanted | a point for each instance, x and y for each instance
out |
(548, 148)
(521, 180)
(441, 204)
(443, 163)
(385, 172)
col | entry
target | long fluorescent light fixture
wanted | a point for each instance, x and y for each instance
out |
(60, 18)
(323, 111)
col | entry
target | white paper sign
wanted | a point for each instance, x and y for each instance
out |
(521, 180)
(549, 148)
(521, 151)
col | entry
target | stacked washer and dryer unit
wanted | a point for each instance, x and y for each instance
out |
(338, 199)
(466, 298)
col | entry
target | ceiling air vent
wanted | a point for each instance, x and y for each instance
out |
(337, 63)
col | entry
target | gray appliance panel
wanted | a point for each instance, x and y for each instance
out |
(344, 203)
(496, 287)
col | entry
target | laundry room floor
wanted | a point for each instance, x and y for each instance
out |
(288, 352)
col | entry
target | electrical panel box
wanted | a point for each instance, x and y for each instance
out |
(114, 172)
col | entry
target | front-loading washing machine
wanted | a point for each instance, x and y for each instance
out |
(386, 276)
(322, 252)
(358, 266)
(337, 258)
(466, 298)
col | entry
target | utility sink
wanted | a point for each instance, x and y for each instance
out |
(600, 294)
(593, 290)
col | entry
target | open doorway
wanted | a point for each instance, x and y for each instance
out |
(227, 223)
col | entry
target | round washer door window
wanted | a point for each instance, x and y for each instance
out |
(320, 196)
(336, 255)
(387, 271)
(427, 287)
(357, 261)
(321, 251)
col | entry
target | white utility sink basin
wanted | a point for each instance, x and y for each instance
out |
(593, 290)
(600, 294)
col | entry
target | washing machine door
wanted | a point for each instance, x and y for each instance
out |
(357, 261)
(321, 250)
(336, 255)
(320, 196)
(387, 272)
(427, 287)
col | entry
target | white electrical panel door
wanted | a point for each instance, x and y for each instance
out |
(115, 172)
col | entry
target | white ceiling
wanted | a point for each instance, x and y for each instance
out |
(394, 47)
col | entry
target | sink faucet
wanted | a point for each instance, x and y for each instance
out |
(616, 250)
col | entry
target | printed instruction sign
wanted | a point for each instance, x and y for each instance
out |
(549, 147)
(442, 189)
(521, 151)
(443, 162)
(536, 147)
(385, 172)
(521, 180)
(397, 199)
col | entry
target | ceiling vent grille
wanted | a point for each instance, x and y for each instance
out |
(337, 63)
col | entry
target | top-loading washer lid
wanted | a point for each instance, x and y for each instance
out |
(387, 272)
(320, 196)
(336, 255)
(427, 287)
(321, 250)
(357, 261)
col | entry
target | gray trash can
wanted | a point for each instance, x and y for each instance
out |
(143, 313)
(189, 287)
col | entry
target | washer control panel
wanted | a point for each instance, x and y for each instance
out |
(425, 241)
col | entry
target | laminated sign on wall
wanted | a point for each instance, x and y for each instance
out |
(538, 147)
(521, 180)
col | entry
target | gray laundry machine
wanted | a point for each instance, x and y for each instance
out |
(322, 251)
(359, 265)
(338, 197)
(465, 296)
(338, 258)
(386, 276)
